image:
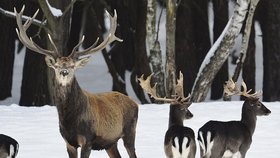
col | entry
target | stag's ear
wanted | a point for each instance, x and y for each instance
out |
(82, 62)
(50, 61)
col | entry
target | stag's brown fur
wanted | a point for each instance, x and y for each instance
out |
(98, 120)
(89, 121)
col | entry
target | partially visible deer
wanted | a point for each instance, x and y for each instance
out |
(179, 140)
(86, 120)
(232, 139)
(8, 147)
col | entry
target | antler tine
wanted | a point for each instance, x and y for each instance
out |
(146, 85)
(28, 42)
(109, 39)
(179, 89)
(231, 88)
(245, 93)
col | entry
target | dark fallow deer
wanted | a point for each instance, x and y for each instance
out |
(232, 139)
(179, 141)
(86, 120)
(8, 147)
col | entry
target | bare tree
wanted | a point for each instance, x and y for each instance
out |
(270, 25)
(154, 46)
(219, 52)
(7, 49)
(170, 68)
(220, 9)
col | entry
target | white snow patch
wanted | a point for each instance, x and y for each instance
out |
(55, 12)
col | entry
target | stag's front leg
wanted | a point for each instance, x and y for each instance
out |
(85, 150)
(72, 151)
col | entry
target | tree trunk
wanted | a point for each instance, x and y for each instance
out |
(220, 20)
(185, 44)
(34, 90)
(154, 47)
(141, 59)
(170, 68)
(201, 28)
(249, 66)
(270, 24)
(219, 52)
(34, 87)
(60, 30)
(7, 48)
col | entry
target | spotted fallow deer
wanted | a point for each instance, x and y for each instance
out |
(232, 139)
(179, 141)
(86, 120)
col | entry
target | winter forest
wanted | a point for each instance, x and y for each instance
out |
(156, 52)
(191, 29)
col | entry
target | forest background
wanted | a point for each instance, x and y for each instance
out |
(195, 30)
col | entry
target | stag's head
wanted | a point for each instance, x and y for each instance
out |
(64, 66)
(178, 103)
(252, 101)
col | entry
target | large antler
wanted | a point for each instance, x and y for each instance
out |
(27, 41)
(179, 91)
(109, 39)
(231, 88)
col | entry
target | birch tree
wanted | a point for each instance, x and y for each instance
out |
(154, 46)
(219, 52)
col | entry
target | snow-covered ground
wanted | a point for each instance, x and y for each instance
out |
(36, 129)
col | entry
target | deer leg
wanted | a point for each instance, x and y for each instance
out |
(72, 151)
(113, 151)
(86, 150)
(129, 143)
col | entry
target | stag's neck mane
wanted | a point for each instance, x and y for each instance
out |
(69, 99)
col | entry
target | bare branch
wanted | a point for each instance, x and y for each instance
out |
(24, 18)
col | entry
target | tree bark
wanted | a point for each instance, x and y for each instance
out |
(59, 28)
(270, 24)
(141, 59)
(217, 55)
(249, 66)
(154, 47)
(186, 58)
(7, 48)
(170, 67)
(34, 87)
(201, 28)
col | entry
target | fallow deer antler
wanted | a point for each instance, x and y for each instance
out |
(231, 88)
(179, 91)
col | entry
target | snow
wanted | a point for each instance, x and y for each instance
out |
(36, 129)
(55, 12)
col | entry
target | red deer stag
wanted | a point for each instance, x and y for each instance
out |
(179, 140)
(86, 120)
(232, 139)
